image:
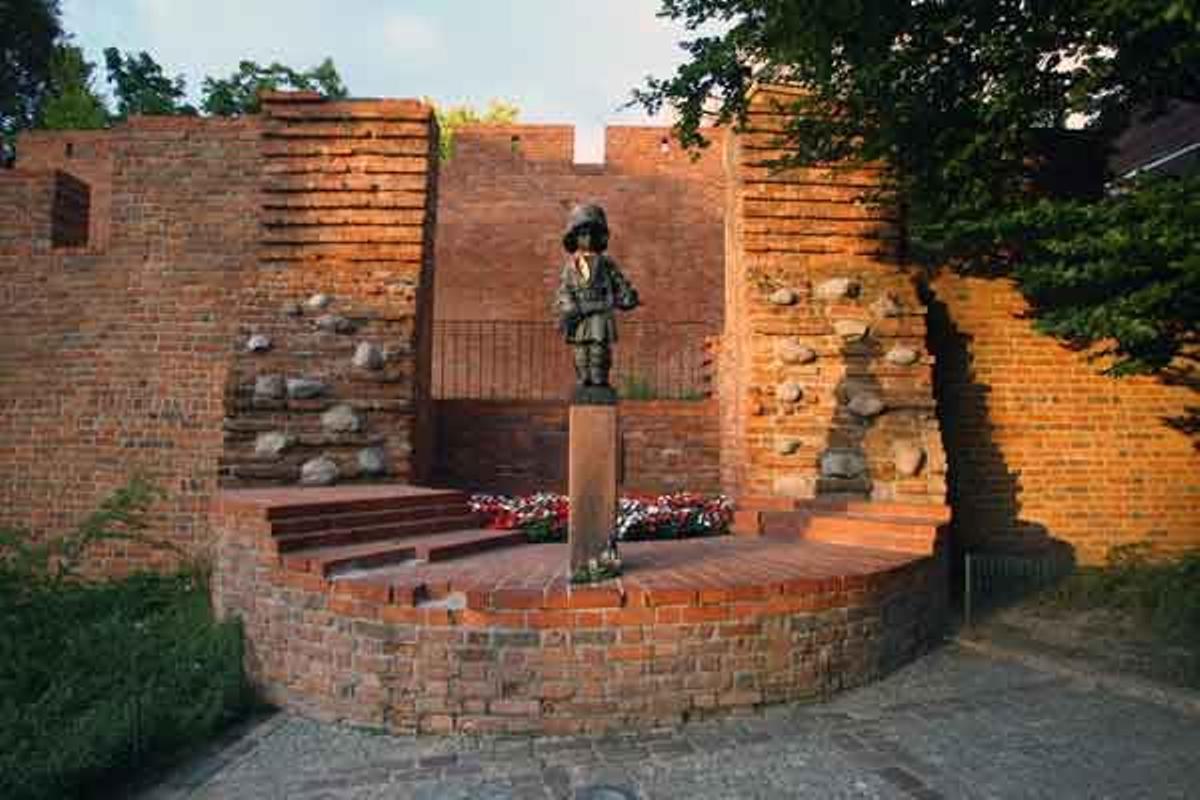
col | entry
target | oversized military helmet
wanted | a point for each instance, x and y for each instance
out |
(586, 214)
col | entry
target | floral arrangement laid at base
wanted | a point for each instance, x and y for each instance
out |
(682, 515)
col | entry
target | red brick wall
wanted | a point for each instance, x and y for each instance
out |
(88, 156)
(788, 234)
(504, 203)
(521, 447)
(114, 357)
(1042, 449)
(347, 205)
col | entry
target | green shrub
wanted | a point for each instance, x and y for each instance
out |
(1165, 594)
(101, 679)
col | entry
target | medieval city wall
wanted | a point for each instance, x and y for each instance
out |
(1042, 449)
(114, 352)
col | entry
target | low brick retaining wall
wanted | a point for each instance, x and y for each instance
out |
(500, 643)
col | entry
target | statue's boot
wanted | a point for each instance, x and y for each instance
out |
(581, 365)
(599, 363)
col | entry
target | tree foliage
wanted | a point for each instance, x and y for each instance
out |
(72, 102)
(451, 118)
(961, 97)
(238, 94)
(141, 87)
(29, 30)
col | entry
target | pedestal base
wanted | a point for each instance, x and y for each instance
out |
(592, 478)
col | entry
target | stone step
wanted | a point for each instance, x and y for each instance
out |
(362, 534)
(357, 519)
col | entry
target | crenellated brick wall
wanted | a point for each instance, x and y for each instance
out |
(825, 381)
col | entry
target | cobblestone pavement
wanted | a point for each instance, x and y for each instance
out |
(952, 725)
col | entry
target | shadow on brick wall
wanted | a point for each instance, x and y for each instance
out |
(983, 491)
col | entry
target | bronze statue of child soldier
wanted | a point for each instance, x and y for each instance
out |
(590, 288)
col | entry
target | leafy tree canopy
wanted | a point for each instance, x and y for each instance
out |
(451, 118)
(962, 98)
(72, 102)
(29, 30)
(141, 87)
(238, 94)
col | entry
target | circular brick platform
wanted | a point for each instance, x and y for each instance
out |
(499, 641)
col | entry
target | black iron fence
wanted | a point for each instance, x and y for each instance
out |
(992, 581)
(516, 360)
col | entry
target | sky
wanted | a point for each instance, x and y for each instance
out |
(560, 61)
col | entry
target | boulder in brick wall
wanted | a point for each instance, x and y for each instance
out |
(902, 356)
(866, 404)
(372, 461)
(783, 297)
(342, 418)
(368, 356)
(786, 445)
(793, 351)
(842, 464)
(908, 457)
(318, 302)
(272, 444)
(269, 387)
(851, 330)
(305, 388)
(258, 343)
(292, 310)
(887, 306)
(322, 471)
(789, 392)
(837, 289)
(334, 323)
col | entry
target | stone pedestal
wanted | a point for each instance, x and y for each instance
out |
(592, 478)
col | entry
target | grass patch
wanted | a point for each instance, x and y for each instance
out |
(102, 680)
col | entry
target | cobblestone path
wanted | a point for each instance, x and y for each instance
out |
(952, 725)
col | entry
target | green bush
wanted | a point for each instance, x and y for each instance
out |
(1165, 594)
(102, 679)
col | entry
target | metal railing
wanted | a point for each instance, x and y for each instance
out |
(992, 581)
(519, 360)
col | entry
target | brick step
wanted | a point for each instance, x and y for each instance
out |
(358, 519)
(339, 503)
(857, 530)
(443, 546)
(406, 588)
(324, 561)
(364, 534)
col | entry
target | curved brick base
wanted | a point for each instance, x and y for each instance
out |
(500, 643)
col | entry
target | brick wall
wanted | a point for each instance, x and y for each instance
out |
(347, 208)
(521, 447)
(88, 156)
(1045, 451)
(114, 356)
(503, 203)
(823, 359)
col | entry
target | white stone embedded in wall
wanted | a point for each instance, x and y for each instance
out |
(269, 387)
(272, 444)
(321, 471)
(793, 351)
(902, 356)
(851, 330)
(837, 289)
(842, 464)
(866, 404)
(789, 392)
(373, 461)
(342, 418)
(334, 323)
(258, 343)
(368, 356)
(318, 302)
(786, 445)
(908, 457)
(783, 297)
(305, 388)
